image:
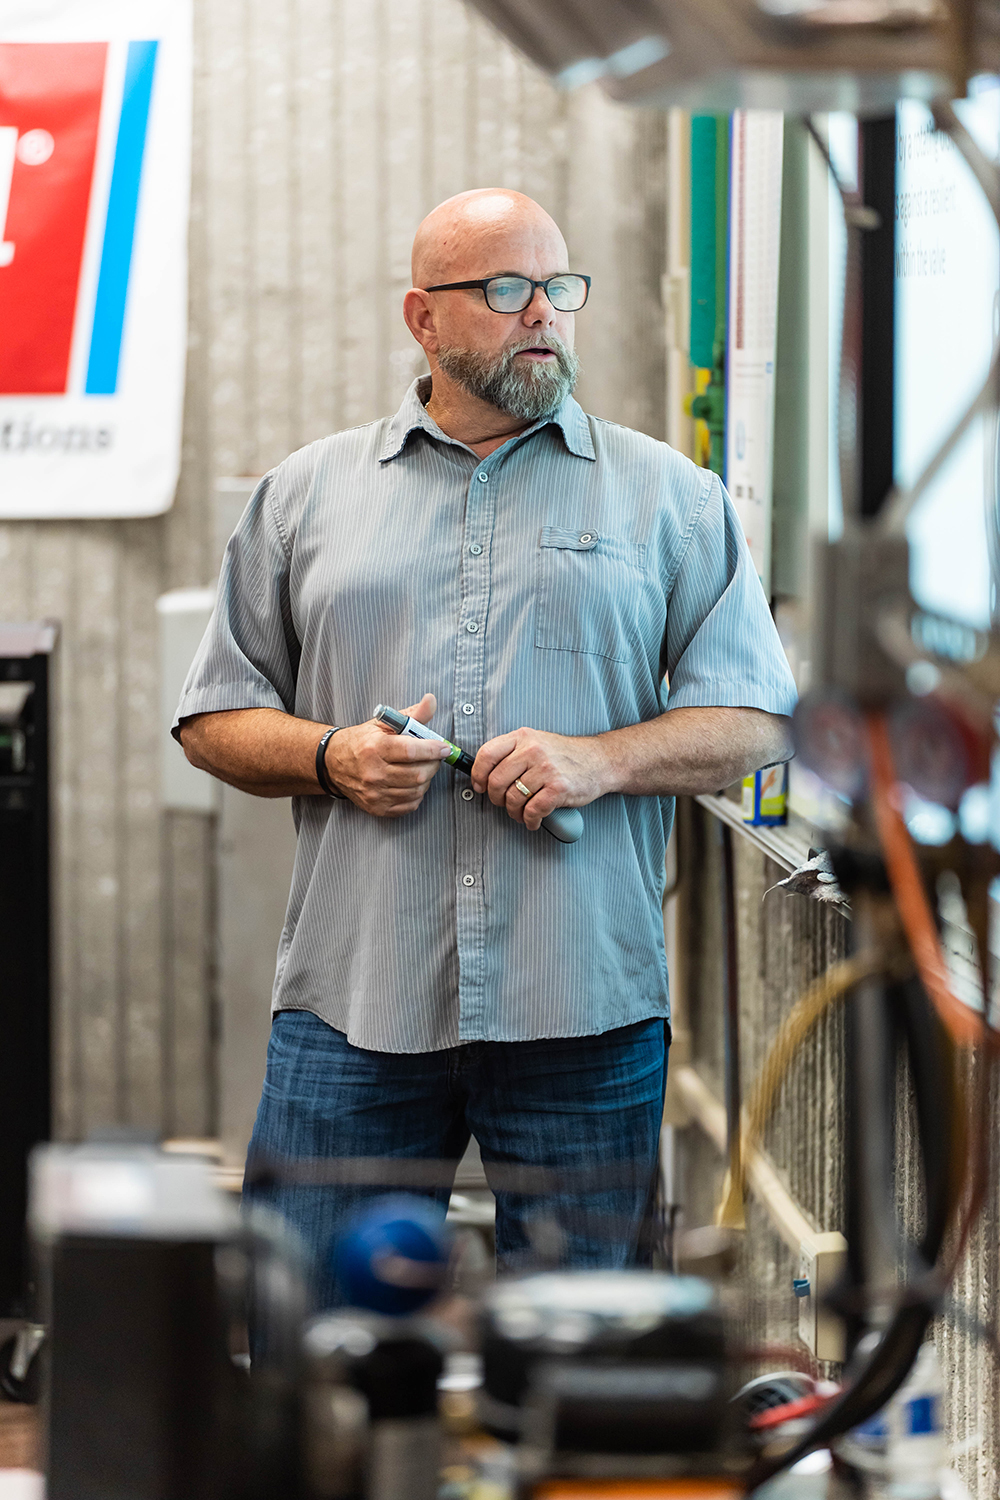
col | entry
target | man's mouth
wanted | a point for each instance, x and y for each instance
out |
(538, 351)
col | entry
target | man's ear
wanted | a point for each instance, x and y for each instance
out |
(419, 319)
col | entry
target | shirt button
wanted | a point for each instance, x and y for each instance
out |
(468, 879)
(472, 627)
(467, 794)
(588, 536)
(483, 477)
(468, 708)
(475, 549)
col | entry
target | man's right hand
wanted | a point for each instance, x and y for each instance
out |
(385, 774)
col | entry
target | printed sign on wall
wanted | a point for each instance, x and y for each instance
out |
(947, 325)
(754, 241)
(95, 110)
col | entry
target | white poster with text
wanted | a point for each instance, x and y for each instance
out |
(947, 326)
(754, 241)
(95, 127)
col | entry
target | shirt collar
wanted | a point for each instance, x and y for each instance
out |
(570, 418)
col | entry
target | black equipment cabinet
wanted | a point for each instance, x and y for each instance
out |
(25, 966)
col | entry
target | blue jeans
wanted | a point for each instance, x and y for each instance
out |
(587, 1109)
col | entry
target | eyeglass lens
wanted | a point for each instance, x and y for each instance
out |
(513, 293)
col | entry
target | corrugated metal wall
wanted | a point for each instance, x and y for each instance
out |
(324, 130)
(784, 941)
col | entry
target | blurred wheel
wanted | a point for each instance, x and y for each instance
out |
(20, 1376)
(831, 740)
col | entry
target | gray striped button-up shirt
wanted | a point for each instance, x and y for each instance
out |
(558, 583)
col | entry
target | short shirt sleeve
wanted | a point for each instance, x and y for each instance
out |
(249, 655)
(723, 650)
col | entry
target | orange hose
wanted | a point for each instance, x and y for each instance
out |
(963, 1025)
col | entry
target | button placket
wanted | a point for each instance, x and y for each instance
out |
(470, 647)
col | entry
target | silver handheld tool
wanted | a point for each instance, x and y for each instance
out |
(564, 824)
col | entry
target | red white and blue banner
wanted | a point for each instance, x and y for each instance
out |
(95, 127)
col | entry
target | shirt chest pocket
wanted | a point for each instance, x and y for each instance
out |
(588, 593)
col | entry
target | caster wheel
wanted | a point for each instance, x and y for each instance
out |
(19, 1368)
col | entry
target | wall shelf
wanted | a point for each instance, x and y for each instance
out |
(788, 846)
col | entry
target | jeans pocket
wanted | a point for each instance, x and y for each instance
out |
(588, 593)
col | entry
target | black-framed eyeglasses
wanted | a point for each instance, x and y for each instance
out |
(512, 294)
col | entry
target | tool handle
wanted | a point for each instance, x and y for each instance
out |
(564, 824)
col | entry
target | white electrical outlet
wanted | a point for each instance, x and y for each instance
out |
(821, 1263)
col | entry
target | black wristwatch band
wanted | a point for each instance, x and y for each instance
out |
(322, 775)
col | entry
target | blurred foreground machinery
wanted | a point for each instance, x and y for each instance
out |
(146, 1278)
(556, 1385)
(551, 1385)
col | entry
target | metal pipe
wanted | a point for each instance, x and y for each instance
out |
(731, 1003)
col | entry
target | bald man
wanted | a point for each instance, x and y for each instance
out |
(573, 602)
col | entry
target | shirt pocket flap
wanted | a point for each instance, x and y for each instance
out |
(584, 540)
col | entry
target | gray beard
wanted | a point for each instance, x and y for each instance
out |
(527, 391)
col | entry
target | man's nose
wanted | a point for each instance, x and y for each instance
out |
(539, 310)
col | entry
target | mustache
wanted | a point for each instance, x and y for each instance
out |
(550, 341)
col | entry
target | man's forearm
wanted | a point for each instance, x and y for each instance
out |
(259, 750)
(692, 750)
(273, 754)
(531, 772)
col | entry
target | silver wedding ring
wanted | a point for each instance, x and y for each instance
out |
(524, 790)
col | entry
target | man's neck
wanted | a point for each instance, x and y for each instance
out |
(477, 424)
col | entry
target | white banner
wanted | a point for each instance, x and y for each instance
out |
(95, 145)
(947, 325)
(754, 240)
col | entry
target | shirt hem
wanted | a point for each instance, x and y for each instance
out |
(658, 1012)
(221, 697)
(729, 695)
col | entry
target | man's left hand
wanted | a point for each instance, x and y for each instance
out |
(558, 770)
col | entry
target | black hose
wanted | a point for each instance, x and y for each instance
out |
(932, 1063)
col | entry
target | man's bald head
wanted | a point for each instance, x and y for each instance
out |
(482, 361)
(482, 232)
